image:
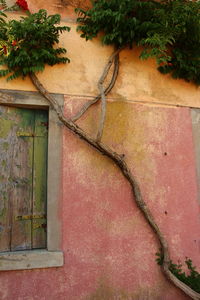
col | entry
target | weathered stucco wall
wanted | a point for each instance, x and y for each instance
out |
(109, 249)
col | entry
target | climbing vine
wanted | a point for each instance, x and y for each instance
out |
(168, 31)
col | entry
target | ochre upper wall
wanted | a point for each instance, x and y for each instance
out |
(63, 7)
(137, 81)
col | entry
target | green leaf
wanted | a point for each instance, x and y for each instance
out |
(169, 31)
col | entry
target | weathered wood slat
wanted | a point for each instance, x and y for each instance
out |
(22, 177)
(6, 153)
(40, 182)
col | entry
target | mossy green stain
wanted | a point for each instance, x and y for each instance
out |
(40, 172)
(3, 211)
(5, 146)
(26, 119)
(3, 163)
(5, 127)
(1, 178)
(106, 292)
(41, 123)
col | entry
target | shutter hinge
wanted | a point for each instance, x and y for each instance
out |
(29, 217)
(23, 133)
(38, 226)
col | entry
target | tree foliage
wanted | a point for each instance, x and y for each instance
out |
(28, 44)
(168, 30)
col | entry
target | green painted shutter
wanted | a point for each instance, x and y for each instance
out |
(23, 179)
(39, 181)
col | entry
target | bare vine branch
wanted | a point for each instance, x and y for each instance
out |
(103, 111)
(102, 93)
(87, 105)
(137, 196)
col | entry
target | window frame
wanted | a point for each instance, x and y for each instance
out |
(52, 256)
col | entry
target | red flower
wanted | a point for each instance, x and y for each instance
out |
(14, 43)
(23, 4)
(5, 50)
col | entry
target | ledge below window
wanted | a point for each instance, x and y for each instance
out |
(23, 260)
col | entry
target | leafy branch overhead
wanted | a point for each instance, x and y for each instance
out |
(28, 44)
(168, 31)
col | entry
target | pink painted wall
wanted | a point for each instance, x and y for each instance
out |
(109, 249)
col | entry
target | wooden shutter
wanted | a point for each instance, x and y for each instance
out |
(23, 169)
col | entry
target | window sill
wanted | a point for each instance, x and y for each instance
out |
(24, 260)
